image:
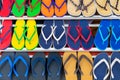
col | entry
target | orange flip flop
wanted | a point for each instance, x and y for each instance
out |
(60, 8)
(47, 8)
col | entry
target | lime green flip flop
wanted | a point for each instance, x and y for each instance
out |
(32, 35)
(18, 8)
(34, 8)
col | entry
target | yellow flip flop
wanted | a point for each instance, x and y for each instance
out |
(85, 62)
(69, 62)
(32, 35)
(18, 35)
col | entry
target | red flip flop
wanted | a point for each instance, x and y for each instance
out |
(6, 8)
(5, 34)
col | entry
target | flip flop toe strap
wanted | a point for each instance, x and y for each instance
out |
(116, 6)
(48, 7)
(68, 58)
(7, 58)
(80, 59)
(33, 6)
(98, 64)
(116, 60)
(59, 7)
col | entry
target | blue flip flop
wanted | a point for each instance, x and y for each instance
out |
(102, 36)
(73, 35)
(54, 66)
(38, 64)
(45, 38)
(21, 66)
(6, 66)
(101, 70)
(115, 36)
(115, 66)
(87, 40)
(59, 34)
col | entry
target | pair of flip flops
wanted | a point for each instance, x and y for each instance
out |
(17, 64)
(79, 33)
(53, 33)
(49, 7)
(5, 33)
(76, 7)
(19, 39)
(33, 9)
(106, 68)
(109, 30)
(5, 7)
(84, 63)
(54, 66)
(106, 7)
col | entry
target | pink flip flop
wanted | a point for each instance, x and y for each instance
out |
(5, 34)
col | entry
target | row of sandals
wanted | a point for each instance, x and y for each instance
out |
(77, 65)
(59, 8)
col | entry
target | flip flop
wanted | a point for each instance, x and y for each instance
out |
(60, 8)
(6, 8)
(70, 70)
(103, 7)
(73, 35)
(32, 35)
(34, 8)
(21, 66)
(115, 66)
(18, 8)
(46, 34)
(102, 36)
(38, 64)
(59, 35)
(6, 66)
(115, 36)
(115, 6)
(54, 66)
(74, 7)
(85, 62)
(101, 70)
(18, 35)
(87, 40)
(89, 8)
(47, 8)
(6, 34)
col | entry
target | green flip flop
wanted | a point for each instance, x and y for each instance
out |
(18, 8)
(34, 8)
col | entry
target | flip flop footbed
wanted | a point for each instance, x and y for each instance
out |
(60, 7)
(5, 68)
(47, 8)
(70, 69)
(105, 9)
(90, 8)
(18, 35)
(6, 34)
(34, 8)
(32, 35)
(115, 9)
(73, 7)
(18, 8)
(85, 65)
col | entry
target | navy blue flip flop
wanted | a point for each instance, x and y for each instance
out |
(54, 66)
(87, 40)
(115, 66)
(21, 66)
(38, 64)
(115, 36)
(101, 70)
(45, 38)
(73, 35)
(103, 34)
(6, 66)
(59, 34)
